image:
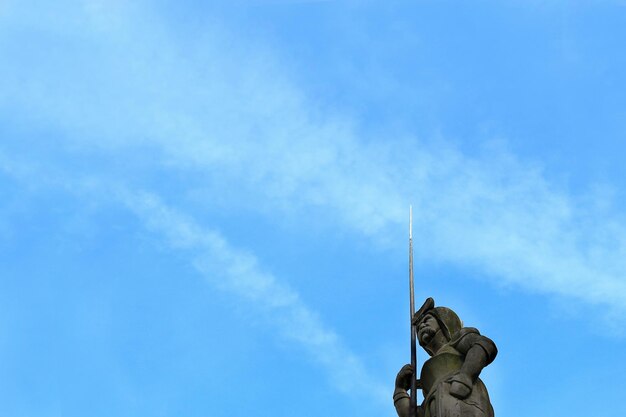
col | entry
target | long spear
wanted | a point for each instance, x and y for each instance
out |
(413, 400)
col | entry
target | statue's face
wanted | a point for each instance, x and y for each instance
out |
(427, 329)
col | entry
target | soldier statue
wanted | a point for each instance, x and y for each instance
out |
(449, 378)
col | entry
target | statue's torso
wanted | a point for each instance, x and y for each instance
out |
(438, 402)
(438, 368)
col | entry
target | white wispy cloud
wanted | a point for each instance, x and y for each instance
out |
(226, 268)
(225, 109)
(239, 273)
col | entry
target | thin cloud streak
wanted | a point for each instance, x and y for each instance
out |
(239, 273)
(227, 269)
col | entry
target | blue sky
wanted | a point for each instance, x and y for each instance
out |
(204, 207)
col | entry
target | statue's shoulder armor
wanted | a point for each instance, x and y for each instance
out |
(467, 337)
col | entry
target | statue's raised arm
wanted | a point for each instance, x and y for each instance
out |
(450, 379)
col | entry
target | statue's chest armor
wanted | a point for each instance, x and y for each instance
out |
(439, 367)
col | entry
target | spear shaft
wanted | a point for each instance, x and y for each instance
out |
(413, 399)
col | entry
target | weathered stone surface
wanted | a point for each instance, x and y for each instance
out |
(450, 379)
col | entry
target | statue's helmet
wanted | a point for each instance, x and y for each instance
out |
(449, 322)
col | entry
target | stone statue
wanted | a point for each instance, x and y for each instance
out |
(449, 379)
